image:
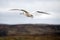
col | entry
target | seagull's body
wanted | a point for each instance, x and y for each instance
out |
(27, 13)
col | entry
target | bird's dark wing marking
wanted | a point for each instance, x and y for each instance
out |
(42, 12)
(24, 11)
(14, 9)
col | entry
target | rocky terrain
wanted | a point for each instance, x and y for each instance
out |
(28, 29)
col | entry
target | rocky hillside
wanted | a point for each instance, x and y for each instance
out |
(28, 29)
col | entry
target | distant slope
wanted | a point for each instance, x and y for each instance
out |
(29, 29)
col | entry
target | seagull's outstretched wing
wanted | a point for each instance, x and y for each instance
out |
(20, 10)
(42, 12)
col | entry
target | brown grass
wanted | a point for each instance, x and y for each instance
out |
(31, 37)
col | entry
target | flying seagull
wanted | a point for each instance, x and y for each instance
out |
(26, 13)
(42, 12)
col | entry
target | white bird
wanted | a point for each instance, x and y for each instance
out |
(26, 13)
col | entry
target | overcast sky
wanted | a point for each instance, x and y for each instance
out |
(13, 17)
